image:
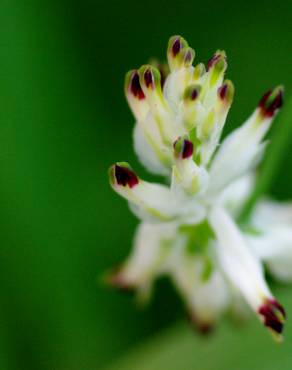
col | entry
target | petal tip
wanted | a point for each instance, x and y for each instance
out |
(271, 101)
(183, 148)
(273, 316)
(122, 175)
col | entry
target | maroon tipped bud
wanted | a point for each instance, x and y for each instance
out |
(271, 101)
(148, 78)
(226, 91)
(212, 61)
(125, 177)
(273, 315)
(183, 148)
(192, 92)
(222, 91)
(135, 86)
(188, 149)
(176, 47)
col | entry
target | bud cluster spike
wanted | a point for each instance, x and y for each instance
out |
(180, 112)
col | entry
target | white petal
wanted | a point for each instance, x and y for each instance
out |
(175, 85)
(239, 153)
(205, 300)
(239, 264)
(152, 245)
(274, 247)
(235, 194)
(146, 153)
(154, 199)
(271, 213)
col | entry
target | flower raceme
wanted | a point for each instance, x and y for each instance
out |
(189, 228)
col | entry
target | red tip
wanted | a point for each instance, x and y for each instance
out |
(125, 177)
(176, 47)
(270, 102)
(148, 78)
(272, 311)
(188, 149)
(222, 91)
(212, 61)
(135, 86)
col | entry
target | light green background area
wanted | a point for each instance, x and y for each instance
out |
(63, 121)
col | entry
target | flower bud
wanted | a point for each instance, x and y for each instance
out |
(226, 92)
(183, 148)
(121, 174)
(135, 96)
(199, 71)
(217, 65)
(273, 315)
(192, 93)
(179, 54)
(271, 102)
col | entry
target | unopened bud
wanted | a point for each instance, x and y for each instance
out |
(271, 101)
(183, 148)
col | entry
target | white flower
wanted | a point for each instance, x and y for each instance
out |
(189, 227)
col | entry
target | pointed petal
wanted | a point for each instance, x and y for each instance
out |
(155, 200)
(242, 267)
(151, 249)
(241, 149)
(135, 96)
(150, 81)
(211, 128)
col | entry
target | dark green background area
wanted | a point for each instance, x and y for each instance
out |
(63, 121)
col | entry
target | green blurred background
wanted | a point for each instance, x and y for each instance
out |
(63, 121)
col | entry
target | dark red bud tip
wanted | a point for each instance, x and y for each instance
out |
(212, 61)
(176, 47)
(183, 148)
(273, 314)
(125, 177)
(148, 78)
(135, 86)
(271, 101)
(188, 149)
(194, 94)
(222, 91)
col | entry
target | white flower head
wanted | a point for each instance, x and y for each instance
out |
(189, 228)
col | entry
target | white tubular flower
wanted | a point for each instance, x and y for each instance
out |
(188, 227)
